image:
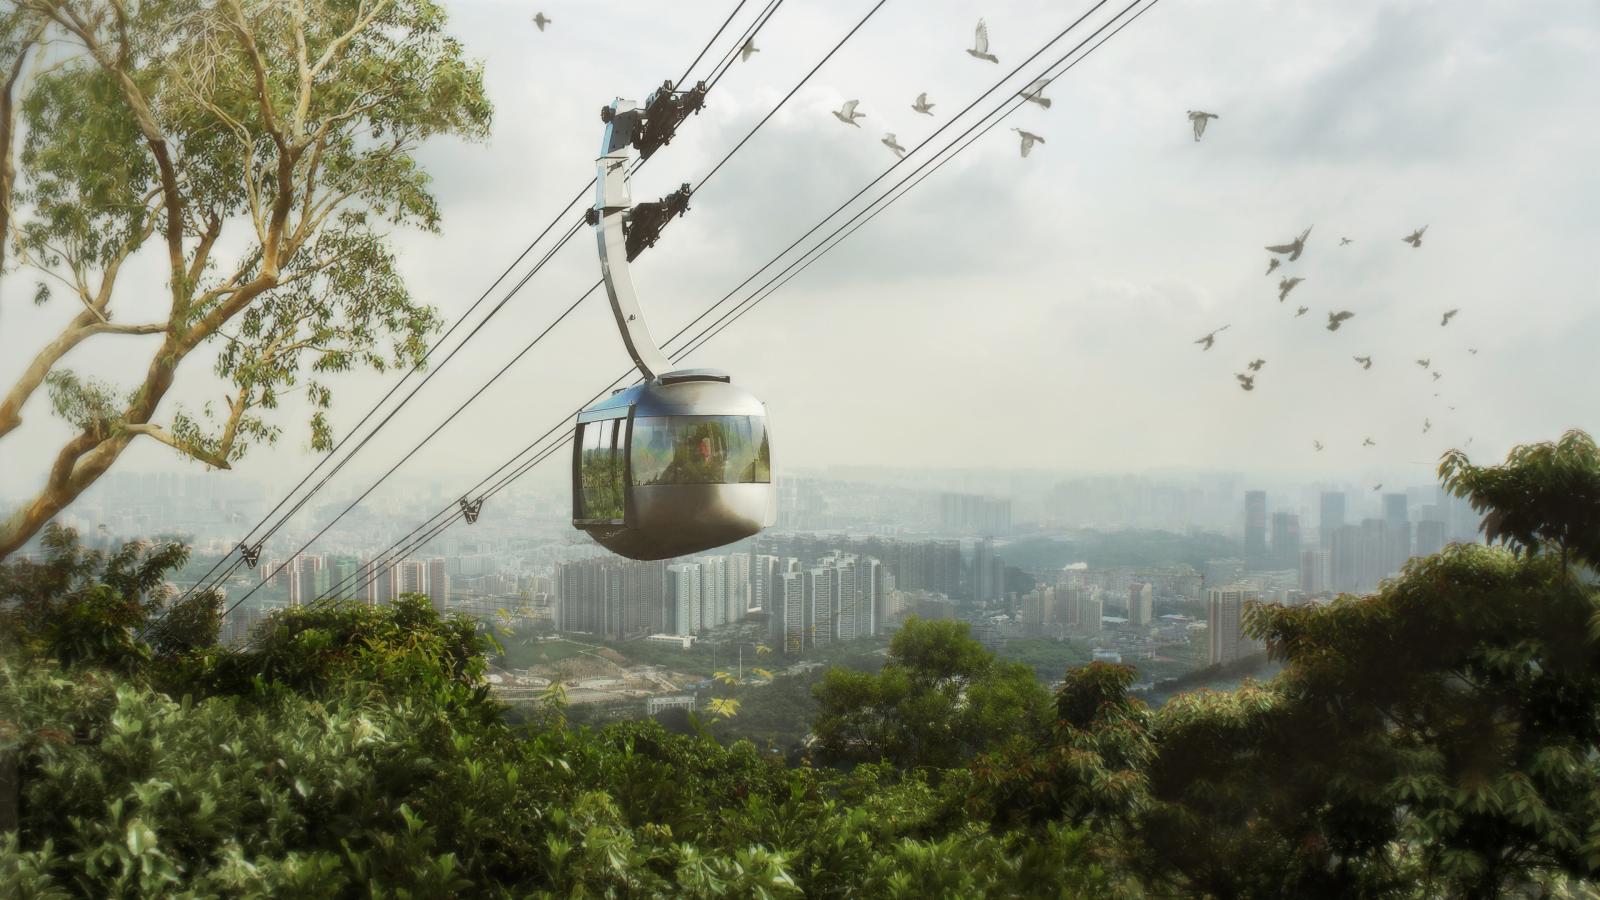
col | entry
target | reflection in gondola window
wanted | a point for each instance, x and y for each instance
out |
(601, 468)
(700, 450)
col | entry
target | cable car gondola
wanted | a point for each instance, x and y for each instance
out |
(681, 462)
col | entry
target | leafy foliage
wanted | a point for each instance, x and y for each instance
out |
(85, 607)
(1438, 738)
(1545, 495)
(261, 155)
(941, 698)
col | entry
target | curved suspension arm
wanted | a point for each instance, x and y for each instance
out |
(612, 204)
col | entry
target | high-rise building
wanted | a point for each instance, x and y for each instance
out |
(790, 615)
(684, 581)
(1141, 603)
(412, 575)
(1397, 533)
(1091, 610)
(821, 599)
(1430, 537)
(1315, 574)
(713, 591)
(1285, 540)
(611, 598)
(844, 598)
(1255, 528)
(986, 572)
(1344, 559)
(1225, 623)
(765, 571)
(1377, 553)
(1332, 518)
(1039, 609)
(307, 578)
(438, 588)
(869, 595)
(738, 593)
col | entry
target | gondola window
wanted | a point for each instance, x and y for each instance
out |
(700, 450)
(601, 468)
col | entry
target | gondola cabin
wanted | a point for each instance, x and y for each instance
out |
(676, 465)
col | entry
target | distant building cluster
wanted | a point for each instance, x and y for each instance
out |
(481, 593)
(840, 598)
(934, 566)
(611, 598)
(1079, 610)
(975, 514)
(1358, 557)
(808, 602)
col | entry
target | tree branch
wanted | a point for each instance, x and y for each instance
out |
(8, 115)
(215, 460)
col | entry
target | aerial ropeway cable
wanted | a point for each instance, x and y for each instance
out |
(435, 525)
(248, 552)
(646, 139)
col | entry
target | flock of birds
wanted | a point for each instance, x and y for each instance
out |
(1290, 252)
(850, 114)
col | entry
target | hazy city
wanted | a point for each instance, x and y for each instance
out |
(1134, 449)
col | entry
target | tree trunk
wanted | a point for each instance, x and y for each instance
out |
(91, 463)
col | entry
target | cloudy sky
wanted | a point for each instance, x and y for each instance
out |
(1033, 312)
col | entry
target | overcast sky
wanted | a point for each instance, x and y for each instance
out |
(1034, 312)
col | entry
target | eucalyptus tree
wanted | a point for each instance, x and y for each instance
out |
(262, 153)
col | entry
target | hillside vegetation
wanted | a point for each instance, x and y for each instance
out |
(1438, 738)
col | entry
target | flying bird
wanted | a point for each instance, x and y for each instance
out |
(922, 105)
(1424, 362)
(1199, 118)
(1248, 382)
(1426, 425)
(892, 144)
(1028, 140)
(980, 44)
(749, 49)
(1301, 311)
(1366, 362)
(1256, 364)
(1294, 248)
(1337, 319)
(1473, 350)
(1285, 285)
(847, 113)
(1437, 376)
(541, 20)
(1448, 315)
(1452, 409)
(1345, 240)
(1211, 338)
(1415, 237)
(1369, 442)
(1317, 445)
(1034, 93)
(1272, 263)
(1378, 486)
